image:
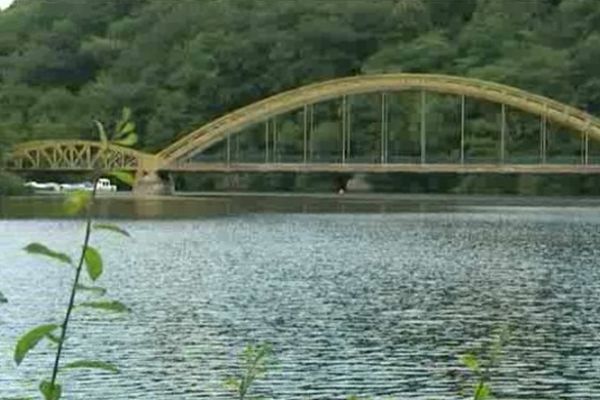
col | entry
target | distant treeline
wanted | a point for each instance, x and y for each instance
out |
(179, 64)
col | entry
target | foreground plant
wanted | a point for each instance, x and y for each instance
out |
(89, 257)
(254, 362)
(482, 363)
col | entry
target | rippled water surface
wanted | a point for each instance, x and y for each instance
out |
(369, 304)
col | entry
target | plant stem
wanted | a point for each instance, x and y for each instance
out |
(480, 387)
(65, 324)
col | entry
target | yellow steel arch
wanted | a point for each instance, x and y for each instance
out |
(217, 130)
(74, 155)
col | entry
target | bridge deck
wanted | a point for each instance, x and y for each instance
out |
(383, 168)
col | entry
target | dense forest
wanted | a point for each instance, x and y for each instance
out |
(179, 64)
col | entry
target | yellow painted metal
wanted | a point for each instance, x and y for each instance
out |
(77, 155)
(84, 155)
(217, 130)
(416, 167)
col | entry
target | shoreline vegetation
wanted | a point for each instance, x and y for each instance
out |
(12, 185)
(526, 185)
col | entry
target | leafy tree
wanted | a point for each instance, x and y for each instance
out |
(181, 64)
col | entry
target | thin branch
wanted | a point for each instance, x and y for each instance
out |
(65, 323)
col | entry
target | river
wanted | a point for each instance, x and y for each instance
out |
(372, 296)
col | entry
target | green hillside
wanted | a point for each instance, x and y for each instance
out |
(179, 64)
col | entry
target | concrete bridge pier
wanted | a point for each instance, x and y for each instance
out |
(150, 183)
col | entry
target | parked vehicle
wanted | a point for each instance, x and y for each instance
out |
(104, 185)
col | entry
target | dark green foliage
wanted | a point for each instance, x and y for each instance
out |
(51, 391)
(180, 64)
(40, 249)
(93, 263)
(11, 185)
(29, 340)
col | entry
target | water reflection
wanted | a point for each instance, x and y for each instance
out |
(181, 207)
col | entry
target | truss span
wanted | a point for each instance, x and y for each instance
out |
(73, 155)
(373, 168)
(217, 130)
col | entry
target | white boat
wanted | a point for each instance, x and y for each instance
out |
(67, 187)
(45, 187)
(104, 185)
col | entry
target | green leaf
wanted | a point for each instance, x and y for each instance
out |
(232, 384)
(94, 289)
(124, 126)
(125, 177)
(470, 361)
(89, 364)
(77, 201)
(93, 263)
(101, 133)
(113, 306)
(112, 228)
(50, 392)
(54, 339)
(482, 392)
(29, 340)
(125, 129)
(40, 249)
(126, 114)
(127, 141)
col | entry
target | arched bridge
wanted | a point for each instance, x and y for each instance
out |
(184, 154)
(74, 155)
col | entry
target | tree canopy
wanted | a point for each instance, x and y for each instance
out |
(179, 64)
